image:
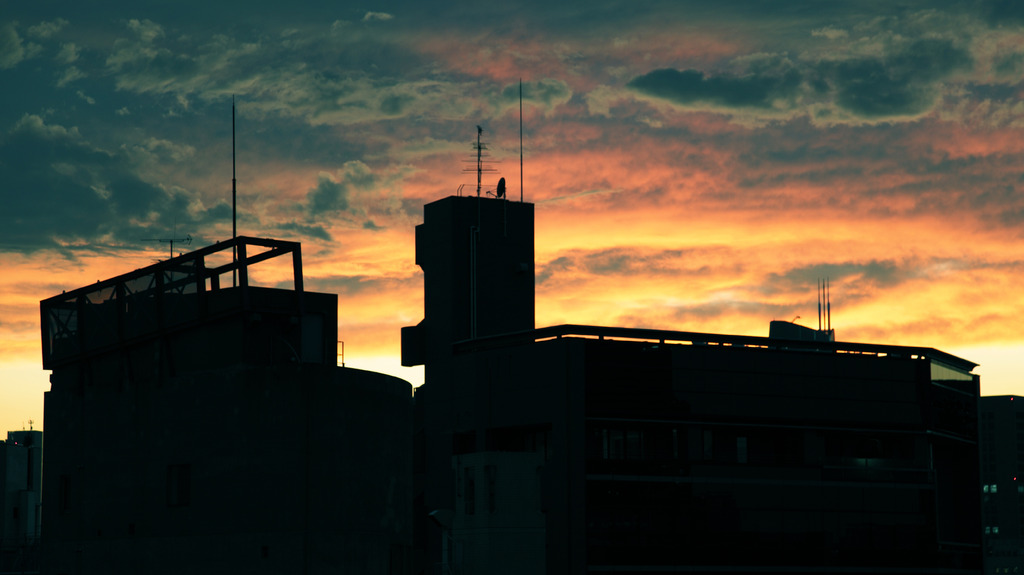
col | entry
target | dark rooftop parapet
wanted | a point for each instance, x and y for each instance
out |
(149, 301)
(663, 337)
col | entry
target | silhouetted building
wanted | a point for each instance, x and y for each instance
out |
(575, 449)
(194, 427)
(20, 490)
(1002, 482)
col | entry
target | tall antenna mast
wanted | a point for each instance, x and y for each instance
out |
(234, 197)
(520, 140)
(819, 304)
(479, 160)
(479, 146)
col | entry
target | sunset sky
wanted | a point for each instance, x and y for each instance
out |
(695, 165)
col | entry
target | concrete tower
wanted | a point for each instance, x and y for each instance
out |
(477, 260)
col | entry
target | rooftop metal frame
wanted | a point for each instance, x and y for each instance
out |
(147, 302)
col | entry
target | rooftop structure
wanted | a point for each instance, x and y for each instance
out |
(198, 426)
(1002, 482)
(170, 297)
(579, 449)
(20, 490)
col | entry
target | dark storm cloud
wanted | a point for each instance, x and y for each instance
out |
(327, 196)
(684, 316)
(395, 104)
(620, 261)
(626, 262)
(694, 87)
(901, 84)
(903, 81)
(336, 193)
(305, 231)
(349, 286)
(711, 310)
(1009, 65)
(12, 49)
(348, 72)
(546, 92)
(616, 261)
(1004, 12)
(61, 191)
(874, 274)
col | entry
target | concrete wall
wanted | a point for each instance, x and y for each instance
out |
(295, 468)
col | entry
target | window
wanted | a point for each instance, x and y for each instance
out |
(741, 449)
(179, 485)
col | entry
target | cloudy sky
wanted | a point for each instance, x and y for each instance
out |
(695, 165)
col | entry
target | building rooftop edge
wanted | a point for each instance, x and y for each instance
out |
(276, 248)
(698, 338)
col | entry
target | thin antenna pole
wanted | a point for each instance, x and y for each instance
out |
(828, 303)
(234, 198)
(520, 140)
(479, 160)
(819, 304)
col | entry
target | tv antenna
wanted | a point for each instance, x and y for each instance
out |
(481, 162)
(187, 240)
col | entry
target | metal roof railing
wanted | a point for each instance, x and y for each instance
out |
(668, 337)
(150, 300)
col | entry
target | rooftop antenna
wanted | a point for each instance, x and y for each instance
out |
(234, 196)
(520, 140)
(480, 146)
(828, 303)
(479, 159)
(819, 304)
(824, 304)
(186, 240)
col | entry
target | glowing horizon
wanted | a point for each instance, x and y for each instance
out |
(694, 168)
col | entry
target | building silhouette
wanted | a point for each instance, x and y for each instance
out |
(578, 449)
(1002, 489)
(20, 501)
(196, 426)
